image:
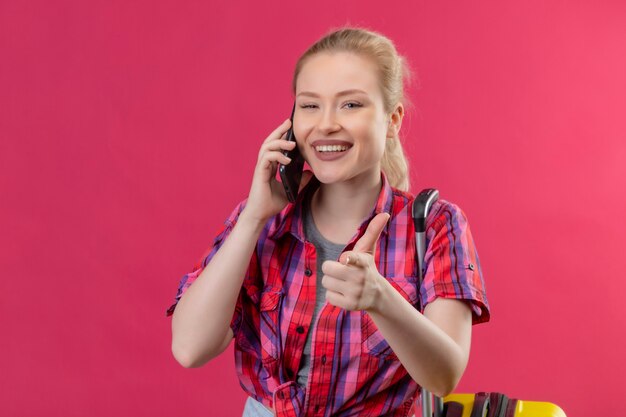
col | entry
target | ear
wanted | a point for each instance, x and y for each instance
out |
(395, 121)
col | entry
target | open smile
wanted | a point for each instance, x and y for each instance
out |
(331, 152)
(331, 148)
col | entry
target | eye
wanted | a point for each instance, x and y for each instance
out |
(307, 106)
(354, 104)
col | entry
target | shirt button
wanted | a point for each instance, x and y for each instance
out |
(323, 359)
(300, 329)
(471, 266)
(308, 272)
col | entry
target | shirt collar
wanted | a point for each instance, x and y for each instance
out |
(290, 218)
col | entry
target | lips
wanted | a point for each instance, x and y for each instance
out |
(330, 142)
(330, 149)
(330, 145)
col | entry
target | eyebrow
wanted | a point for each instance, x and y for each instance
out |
(339, 94)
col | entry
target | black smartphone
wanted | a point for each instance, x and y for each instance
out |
(291, 174)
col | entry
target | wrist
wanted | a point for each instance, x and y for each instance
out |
(250, 220)
(381, 296)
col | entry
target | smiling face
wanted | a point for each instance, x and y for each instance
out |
(340, 122)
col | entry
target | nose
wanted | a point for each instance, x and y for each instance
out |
(328, 122)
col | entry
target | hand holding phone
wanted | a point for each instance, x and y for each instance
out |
(291, 174)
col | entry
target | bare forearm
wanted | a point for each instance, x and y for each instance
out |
(201, 321)
(432, 358)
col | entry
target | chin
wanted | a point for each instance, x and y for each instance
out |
(328, 177)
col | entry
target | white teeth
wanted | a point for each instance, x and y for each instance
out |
(331, 148)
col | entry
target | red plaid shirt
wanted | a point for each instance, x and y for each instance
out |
(353, 369)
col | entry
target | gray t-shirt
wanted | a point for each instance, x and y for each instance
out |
(325, 250)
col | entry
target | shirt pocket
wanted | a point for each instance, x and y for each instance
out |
(373, 341)
(269, 327)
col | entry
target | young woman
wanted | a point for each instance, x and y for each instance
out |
(322, 295)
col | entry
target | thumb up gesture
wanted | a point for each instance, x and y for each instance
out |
(354, 283)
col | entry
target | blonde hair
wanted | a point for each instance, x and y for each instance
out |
(393, 71)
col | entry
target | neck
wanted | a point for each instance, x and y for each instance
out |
(348, 202)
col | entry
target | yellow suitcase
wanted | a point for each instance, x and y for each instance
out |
(522, 408)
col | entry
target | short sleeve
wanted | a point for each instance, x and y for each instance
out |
(188, 279)
(451, 265)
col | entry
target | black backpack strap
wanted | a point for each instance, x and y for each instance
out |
(452, 409)
(497, 404)
(493, 404)
(481, 405)
(510, 408)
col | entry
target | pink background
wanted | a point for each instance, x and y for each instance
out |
(130, 129)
